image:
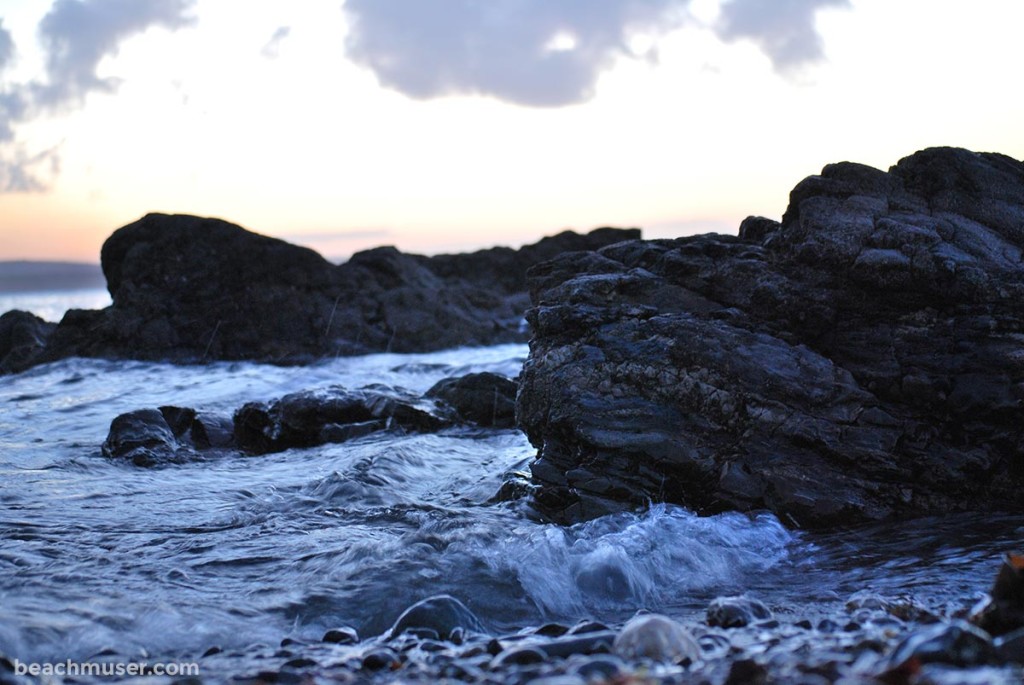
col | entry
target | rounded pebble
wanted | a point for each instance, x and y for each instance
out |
(656, 637)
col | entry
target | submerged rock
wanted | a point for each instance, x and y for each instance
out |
(192, 289)
(860, 360)
(442, 615)
(656, 637)
(316, 417)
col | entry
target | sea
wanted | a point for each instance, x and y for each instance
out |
(101, 557)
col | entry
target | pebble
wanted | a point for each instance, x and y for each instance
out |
(440, 617)
(736, 612)
(656, 637)
(341, 636)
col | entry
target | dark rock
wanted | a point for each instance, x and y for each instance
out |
(341, 636)
(442, 614)
(145, 438)
(193, 289)
(380, 659)
(168, 435)
(601, 668)
(958, 644)
(23, 337)
(1003, 611)
(861, 361)
(334, 414)
(746, 672)
(1011, 646)
(586, 643)
(736, 612)
(587, 626)
(520, 656)
(552, 630)
(485, 399)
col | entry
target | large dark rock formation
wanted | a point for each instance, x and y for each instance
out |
(862, 359)
(192, 289)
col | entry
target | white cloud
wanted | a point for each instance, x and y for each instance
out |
(549, 52)
(273, 46)
(76, 35)
(783, 29)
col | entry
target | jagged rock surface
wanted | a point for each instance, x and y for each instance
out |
(863, 359)
(186, 288)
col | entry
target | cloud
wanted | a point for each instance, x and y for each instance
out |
(783, 29)
(6, 47)
(542, 53)
(273, 47)
(76, 35)
(548, 53)
(24, 173)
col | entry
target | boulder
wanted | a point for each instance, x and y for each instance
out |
(23, 337)
(191, 289)
(860, 360)
(331, 415)
(485, 399)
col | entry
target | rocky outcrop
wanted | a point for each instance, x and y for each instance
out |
(191, 289)
(862, 359)
(23, 337)
(174, 435)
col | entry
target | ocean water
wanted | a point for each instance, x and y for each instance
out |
(50, 305)
(99, 556)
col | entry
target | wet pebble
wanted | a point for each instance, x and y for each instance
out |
(520, 656)
(656, 637)
(440, 617)
(601, 667)
(736, 612)
(341, 636)
(380, 659)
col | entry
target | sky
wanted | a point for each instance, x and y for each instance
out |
(447, 125)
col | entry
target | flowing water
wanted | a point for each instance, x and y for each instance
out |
(97, 554)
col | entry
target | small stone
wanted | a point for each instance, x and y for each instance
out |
(603, 667)
(746, 672)
(341, 636)
(442, 614)
(656, 637)
(520, 656)
(552, 630)
(736, 612)
(587, 627)
(212, 650)
(380, 659)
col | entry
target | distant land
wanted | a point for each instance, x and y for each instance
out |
(30, 276)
